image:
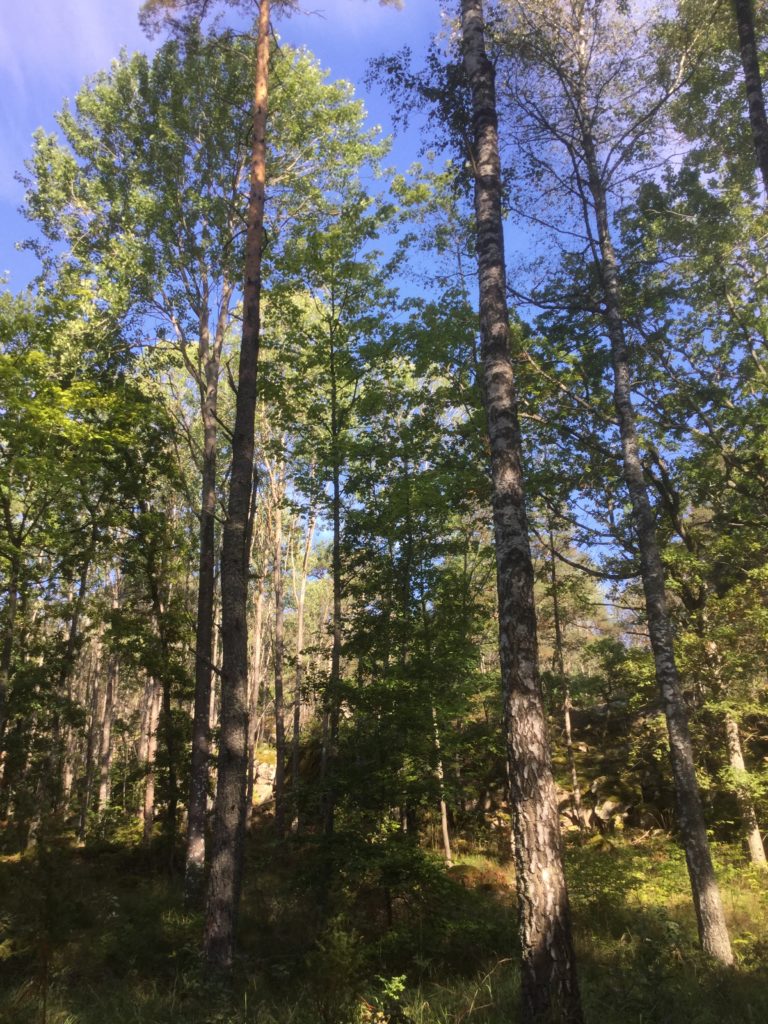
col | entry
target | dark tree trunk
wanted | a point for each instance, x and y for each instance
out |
(105, 739)
(9, 630)
(745, 23)
(223, 894)
(92, 698)
(210, 357)
(549, 984)
(277, 588)
(713, 932)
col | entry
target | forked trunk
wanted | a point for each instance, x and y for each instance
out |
(223, 893)
(549, 985)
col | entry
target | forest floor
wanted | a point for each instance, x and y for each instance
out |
(364, 932)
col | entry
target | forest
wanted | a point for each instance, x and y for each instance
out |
(384, 549)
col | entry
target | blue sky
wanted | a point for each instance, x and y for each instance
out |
(48, 48)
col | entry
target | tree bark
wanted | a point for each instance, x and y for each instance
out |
(440, 776)
(9, 620)
(154, 692)
(105, 740)
(333, 700)
(744, 12)
(300, 595)
(254, 692)
(549, 984)
(93, 700)
(223, 894)
(559, 665)
(750, 827)
(713, 932)
(279, 651)
(210, 358)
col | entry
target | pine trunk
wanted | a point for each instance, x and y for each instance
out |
(223, 894)
(254, 692)
(549, 984)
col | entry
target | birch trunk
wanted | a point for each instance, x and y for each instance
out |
(549, 984)
(750, 827)
(713, 932)
(559, 665)
(223, 893)
(440, 776)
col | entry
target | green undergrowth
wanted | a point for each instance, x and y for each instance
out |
(355, 932)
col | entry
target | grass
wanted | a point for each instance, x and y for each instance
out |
(366, 933)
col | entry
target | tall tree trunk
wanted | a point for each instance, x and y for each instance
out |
(713, 932)
(105, 738)
(6, 649)
(166, 714)
(300, 595)
(210, 357)
(559, 666)
(223, 895)
(750, 827)
(333, 699)
(93, 699)
(549, 984)
(153, 720)
(67, 774)
(440, 776)
(279, 650)
(254, 691)
(744, 11)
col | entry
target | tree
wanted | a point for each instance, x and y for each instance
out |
(549, 975)
(574, 54)
(744, 12)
